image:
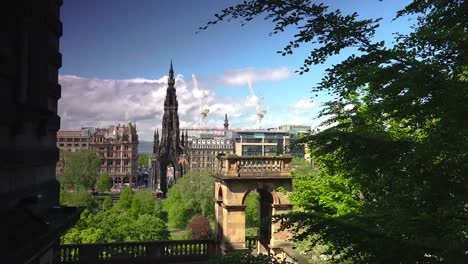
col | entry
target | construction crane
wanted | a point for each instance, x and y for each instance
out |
(261, 111)
(204, 106)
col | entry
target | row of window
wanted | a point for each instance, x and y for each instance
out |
(72, 139)
(211, 146)
(72, 145)
(210, 141)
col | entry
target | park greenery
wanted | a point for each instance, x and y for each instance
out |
(104, 182)
(143, 160)
(135, 217)
(81, 170)
(190, 196)
(390, 181)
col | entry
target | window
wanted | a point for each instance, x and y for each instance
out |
(83, 145)
(61, 144)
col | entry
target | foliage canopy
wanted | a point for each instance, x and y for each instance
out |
(191, 195)
(392, 185)
(81, 170)
(135, 217)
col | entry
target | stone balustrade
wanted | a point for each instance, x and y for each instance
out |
(254, 166)
(179, 251)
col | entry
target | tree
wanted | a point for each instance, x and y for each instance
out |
(126, 199)
(191, 195)
(200, 228)
(394, 153)
(136, 217)
(252, 209)
(106, 203)
(81, 170)
(143, 160)
(103, 183)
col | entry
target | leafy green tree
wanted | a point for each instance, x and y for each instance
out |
(107, 203)
(81, 170)
(136, 217)
(392, 181)
(126, 199)
(252, 210)
(191, 195)
(103, 183)
(143, 160)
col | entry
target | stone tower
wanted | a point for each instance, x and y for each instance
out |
(169, 151)
(226, 123)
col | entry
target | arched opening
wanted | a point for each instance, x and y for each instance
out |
(126, 182)
(133, 182)
(252, 214)
(170, 175)
(266, 211)
(118, 183)
(219, 215)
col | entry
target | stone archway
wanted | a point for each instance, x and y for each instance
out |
(235, 179)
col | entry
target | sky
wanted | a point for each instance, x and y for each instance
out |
(116, 57)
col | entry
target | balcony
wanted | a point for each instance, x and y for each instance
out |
(182, 251)
(233, 166)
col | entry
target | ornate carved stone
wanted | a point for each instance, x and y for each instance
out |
(169, 151)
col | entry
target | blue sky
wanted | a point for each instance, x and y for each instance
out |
(116, 55)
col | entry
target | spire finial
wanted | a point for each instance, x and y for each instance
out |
(171, 70)
(171, 79)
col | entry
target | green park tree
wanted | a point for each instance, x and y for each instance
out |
(81, 170)
(103, 182)
(143, 160)
(252, 209)
(135, 217)
(392, 182)
(191, 195)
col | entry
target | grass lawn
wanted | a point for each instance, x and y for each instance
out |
(179, 234)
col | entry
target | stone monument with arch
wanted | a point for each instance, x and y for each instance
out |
(236, 177)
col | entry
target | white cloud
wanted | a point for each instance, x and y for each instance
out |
(239, 77)
(100, 103)
(302, 106)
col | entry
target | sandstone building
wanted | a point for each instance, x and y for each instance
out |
(204, 145)
(116, 145)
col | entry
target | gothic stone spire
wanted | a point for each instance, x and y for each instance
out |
(226, 123)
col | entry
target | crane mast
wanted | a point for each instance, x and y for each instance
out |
(260, 107)
(204, 110)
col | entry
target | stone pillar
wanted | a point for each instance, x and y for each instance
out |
(280, 238)
(234, 228)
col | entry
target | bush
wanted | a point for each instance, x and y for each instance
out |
(200, 228)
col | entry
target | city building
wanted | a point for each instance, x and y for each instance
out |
(261, 142)
(296, 132)
(204, 145)
(116, 145)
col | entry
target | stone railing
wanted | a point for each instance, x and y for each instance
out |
(253, 166)
(188, 251)
(251, 242)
